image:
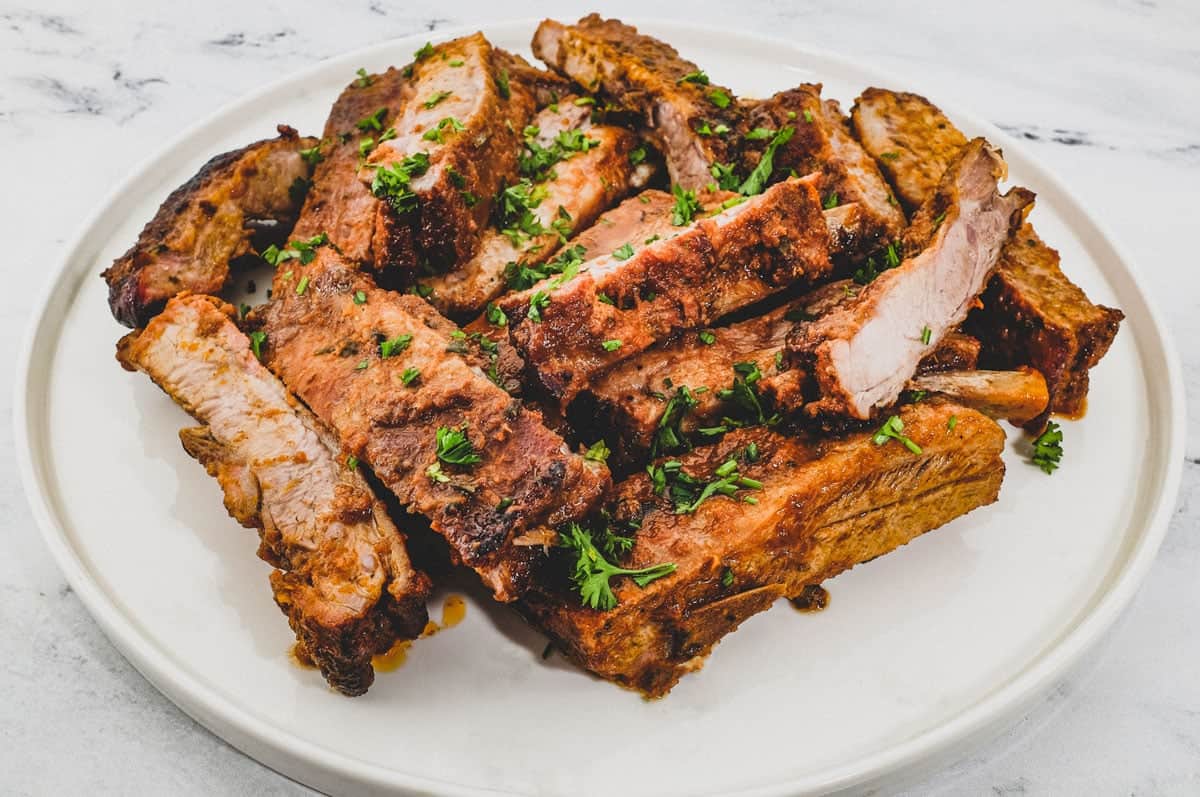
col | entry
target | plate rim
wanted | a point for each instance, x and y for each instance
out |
(296, 757)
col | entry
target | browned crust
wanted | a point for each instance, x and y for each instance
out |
(1034, 315)
(343, 610)
(203, 225)
(825, 507)
(777, 239)
(325, 345)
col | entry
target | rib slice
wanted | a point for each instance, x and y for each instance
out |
(825, 506)
(580, 188)
(627, 404)
(339, 203)
(326, 341)
(342, 577)
(702, 272)
(251, 195)
(822, 143)
(861, 355)
(1017, 396)
(462, 93)
(1032, 313)
(692, 121)
(910, 139)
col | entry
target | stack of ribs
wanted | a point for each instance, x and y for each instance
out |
(791, 331)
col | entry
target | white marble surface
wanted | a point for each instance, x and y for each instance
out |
(1107, 94)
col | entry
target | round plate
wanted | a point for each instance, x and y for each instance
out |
(919, 652)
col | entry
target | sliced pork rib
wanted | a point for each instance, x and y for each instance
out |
(462, 122)
(251, 195)
(693, 121)
(572, 327)
(1018, 396)
(861, 356)
(628, 404)
(342, 577)
(1032, 313)
(385, 372)
(824, 507)
(571, 197)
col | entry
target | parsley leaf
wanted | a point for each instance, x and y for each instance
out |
(502, 84)
(623, 252)
(391, 182)
(698, 77)
(1047, 448)
(598, 452)
(758, 178)
(719, 98)
(409, 376)
(454, 447)
(725, 176)
(495, 316)
(668, 438)
(759, 134)
(390, 348)
(363, 80)
(893, 429)
(686, 206)
(372, 122)
(437, 97)
(593, 572)
(537, 303)
(424, 52)
(257, 338)
(611, 345)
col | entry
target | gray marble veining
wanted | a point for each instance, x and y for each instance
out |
(1104, 92)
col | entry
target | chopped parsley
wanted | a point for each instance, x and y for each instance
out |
(598, 452)
(352, 462)
(951, 423)
(688, 492)
(831, 201)
(938, 219)
(719, 98)
(360, 297)
(758, 178)
(312, 156)
(668, 438)
(502, 84)
(698, 77)
(707, 338)
(363, 80)
(759, 134)
(891, 156)
(514, 211)
(890, 257)
(437, 97)
(391, 182)
(424, 52)
(362, 365)
(448, 124)
(893, 429)
(537, 303)
(390, 348)
(519, 276)
(725, 176)
(454, 447)
(926, 335)
(592, 572)
(409, 376)
(637, 154)
(808, 117)
(686, 205)
(623, 252)
(372, 122)
(537, 162)
(727, 577)
(1047, 448)
(257, 338)
(495, 316)
(303, 250)
(611, 345)
(302, 285)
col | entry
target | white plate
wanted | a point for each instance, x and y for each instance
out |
(919, 653)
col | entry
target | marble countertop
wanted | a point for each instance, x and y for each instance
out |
(1105, 93)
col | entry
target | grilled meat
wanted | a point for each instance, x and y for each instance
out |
(1018, 396)
(910, 139)
(462, 122)
(212, 219)
(546, 87)
(824, 506)
(596, 173)
(630, 401)
(690, 119)
(861, 356)
(822, 143)
(342, 577)
(340, 204)
(343, 346)
(571, 328)
(1032, 313)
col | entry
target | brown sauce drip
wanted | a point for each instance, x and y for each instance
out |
(394, 659)
(1074, 416)
(454, 609)
(813, 598)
